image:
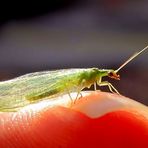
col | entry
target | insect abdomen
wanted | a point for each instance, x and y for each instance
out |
(40, 96)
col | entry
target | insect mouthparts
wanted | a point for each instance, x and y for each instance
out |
(114, 75)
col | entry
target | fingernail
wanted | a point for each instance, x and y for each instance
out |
(96, 104)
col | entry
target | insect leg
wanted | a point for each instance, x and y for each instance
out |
(78, 93)
(70, 97)
(95, 87)
(79, 90)
(68, 92)
(110, 86)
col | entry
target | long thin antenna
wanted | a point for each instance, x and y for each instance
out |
(131, 58)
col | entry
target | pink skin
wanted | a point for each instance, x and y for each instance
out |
(98, 119)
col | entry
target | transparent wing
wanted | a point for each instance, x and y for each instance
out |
(37, 86)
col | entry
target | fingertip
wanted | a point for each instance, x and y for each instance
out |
(98, 119)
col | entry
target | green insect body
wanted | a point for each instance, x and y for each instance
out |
(38, 86)
(34, 87)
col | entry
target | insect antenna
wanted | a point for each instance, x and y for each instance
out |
(131, 58)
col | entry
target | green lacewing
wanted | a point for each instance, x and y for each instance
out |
(34, 87)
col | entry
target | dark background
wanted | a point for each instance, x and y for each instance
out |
(58, 34)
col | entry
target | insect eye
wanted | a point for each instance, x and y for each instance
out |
(110, 74)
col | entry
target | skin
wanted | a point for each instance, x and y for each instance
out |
(98, 119)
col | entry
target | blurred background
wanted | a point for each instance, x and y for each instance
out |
(79, 33)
